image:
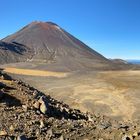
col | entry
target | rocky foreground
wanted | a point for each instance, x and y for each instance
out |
(28, 114)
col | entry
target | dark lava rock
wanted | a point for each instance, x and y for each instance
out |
(1, 94)
(21, 137)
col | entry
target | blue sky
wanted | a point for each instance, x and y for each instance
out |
(111, 27)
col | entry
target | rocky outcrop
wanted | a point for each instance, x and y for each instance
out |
(28, 114)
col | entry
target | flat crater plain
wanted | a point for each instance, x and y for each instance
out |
(112, 93)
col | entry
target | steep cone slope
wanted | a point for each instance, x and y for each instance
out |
(48, 43)
(12, 52)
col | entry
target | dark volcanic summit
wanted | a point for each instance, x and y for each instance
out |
(46, 42)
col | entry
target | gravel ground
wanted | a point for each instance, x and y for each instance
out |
(28, 114)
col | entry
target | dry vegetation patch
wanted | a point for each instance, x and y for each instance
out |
(30, 72)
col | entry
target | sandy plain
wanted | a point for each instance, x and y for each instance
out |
(113, 93)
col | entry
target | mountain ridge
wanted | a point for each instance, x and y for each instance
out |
(48, 43)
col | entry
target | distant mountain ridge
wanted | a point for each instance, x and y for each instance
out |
(133, 61)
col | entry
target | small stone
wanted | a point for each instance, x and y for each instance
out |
(9, 138)
(135, 134)
(43, 108)
(38, 112)
(36, 105)
(42, 124)
(41, 100)
(11, 128)
(2, 77)
(61, 137)
(124, 126)
(126, 137)
(20, 89)
(104, 125)
(90, 119)
(37, 132)
(49, 133)
(3, 133)
(25, 107)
